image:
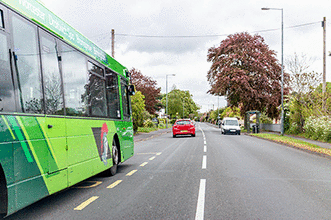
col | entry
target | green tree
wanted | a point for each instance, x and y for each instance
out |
(180, 103)
(217, 113)
(138, 109)
(327, 99)
(231, 112)
(304, 99)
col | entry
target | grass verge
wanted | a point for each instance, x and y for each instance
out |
(295, 143)
(146, 130)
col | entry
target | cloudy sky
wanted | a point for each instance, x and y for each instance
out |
(173, 36)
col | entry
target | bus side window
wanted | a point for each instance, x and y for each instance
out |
(2, 21)
(51, 75)
(27, 65)
(75, 81)
(7, 95)
(113, 101)
(125, 100)
(96, 92)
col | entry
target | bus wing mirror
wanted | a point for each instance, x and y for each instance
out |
(131, 90)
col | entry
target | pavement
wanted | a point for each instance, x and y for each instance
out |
(146, 136)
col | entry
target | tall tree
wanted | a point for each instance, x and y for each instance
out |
(301, 79)
(138, 107)
(247, 72)
(148, 87)
(303, 101)
(180, 103)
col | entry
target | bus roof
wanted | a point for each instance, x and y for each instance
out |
(38, 13)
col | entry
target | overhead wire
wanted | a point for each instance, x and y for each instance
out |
(102, 37)
(207, 35)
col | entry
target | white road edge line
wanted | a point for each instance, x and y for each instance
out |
(205, 148)
(204, 162)
(201, 201)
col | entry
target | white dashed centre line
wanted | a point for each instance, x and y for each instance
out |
(201, 201)
(204, 162)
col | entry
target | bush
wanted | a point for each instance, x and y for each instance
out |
(161, 126)
(318, 128)
(264, 119)
(148, 123)
(294, 129)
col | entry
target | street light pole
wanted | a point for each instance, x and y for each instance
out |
(167, 98)
(282, 76)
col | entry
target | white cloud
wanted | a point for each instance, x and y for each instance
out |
(187, 57)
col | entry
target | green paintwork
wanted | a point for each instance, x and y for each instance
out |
(39, 161)
(41, 15)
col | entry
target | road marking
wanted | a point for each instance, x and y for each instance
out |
(131, 173)
(114, 184)
(204, 162)
(152, 158)
(143, 164)
(201, 201)
(159, 153)
(205, 148)
(96, 183)
(204, 142)
(145, 153)
(86, 203)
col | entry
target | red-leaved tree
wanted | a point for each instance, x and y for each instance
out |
(148, 87)
(247, 72)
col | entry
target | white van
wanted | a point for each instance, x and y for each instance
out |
(230, 125)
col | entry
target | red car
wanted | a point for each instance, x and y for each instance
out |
(183, 127)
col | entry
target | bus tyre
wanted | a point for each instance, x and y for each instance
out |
(115, 155)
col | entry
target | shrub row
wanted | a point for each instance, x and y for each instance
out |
(318, 128)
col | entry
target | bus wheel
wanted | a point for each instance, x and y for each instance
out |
(115, 158)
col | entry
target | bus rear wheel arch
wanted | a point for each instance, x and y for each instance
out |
(116, 157)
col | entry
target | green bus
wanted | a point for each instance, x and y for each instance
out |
(65, 111)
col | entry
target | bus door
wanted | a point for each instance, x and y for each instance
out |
(7, 103)
(55, 124)
(127, 128)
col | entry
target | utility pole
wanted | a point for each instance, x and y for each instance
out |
(113, 43)
(324, 62)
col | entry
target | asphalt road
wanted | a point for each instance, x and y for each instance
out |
(210, 176)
